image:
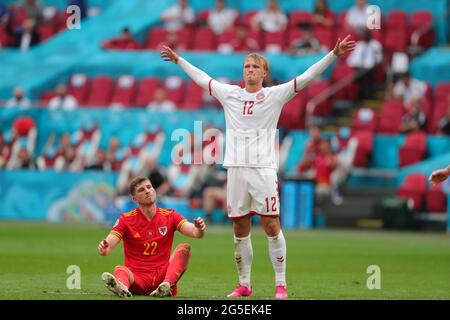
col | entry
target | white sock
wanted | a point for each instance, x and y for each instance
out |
(243, 253)
(277, 252)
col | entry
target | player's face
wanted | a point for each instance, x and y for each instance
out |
(145, 193)
(254, 72)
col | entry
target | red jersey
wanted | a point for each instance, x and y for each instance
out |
(147, 244)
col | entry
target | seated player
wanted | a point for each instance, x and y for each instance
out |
(148, 233)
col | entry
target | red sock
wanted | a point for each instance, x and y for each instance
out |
(178, 263)
(121, 274)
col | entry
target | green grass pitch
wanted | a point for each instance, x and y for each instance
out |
(321, 264)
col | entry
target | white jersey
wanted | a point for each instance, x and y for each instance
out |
(251, 122)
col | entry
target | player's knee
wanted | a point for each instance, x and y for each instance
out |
(271, 227)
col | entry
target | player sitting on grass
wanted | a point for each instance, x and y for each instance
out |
(147, 233)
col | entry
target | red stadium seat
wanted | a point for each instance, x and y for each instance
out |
(100, 93)
(436, 199)
(314, 89)
(154, 37)
(293, 113)
(364, 120)
(274, 41)
(326, 37)
(297, 17)
(4, 37)
(414, 148)
(193, 99)
(421, 20)
(395, 40)
(441, 92)
(439, 111)
(204, 39)
(397, 20)
(414, 187)
(364, 148)
(146, 91)
(124, 91)
(340, 72)
(390, 117)
(78, 86)
(46, 97)
(246, 18)
(185, 36)
(46, 31)
(174, 89)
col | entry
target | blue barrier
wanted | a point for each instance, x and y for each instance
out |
(297, 204)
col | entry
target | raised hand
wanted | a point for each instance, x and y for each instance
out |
(342, 46)
(169, 55)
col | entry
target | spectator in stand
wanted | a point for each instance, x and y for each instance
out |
(367, 55)
(357, 16)
(322, 16)
(18, 100)
(100, 162)
(415, 118)
(306, 165)
(62, 100)
(408, 89)
(171, 41)
(23, 160)
(305, 44)
(34, 10)
(124, 42)
(157, 176)
(6, 140)
(324, 163)
(27, 35)
(160, 102)
(221, 18)
(444, 122)
(214, 192)
(178, 16)
(241, 43)
(271, 19)
(114, 154)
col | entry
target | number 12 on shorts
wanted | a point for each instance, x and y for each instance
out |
(271, 204)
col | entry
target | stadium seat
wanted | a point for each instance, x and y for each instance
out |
(364, 120)
(397, 20)
(246, 18)
(436, 199)
(390, 117)
(414, 148)
(100, 93)
(4, 37)
(202, 17)
(421, 20)
(204, 39)
(155, 36)
(414, 187)
(46, 97)
(274, 42)
(146, 91)
(350, 91)
(185, 37)
(46, 30)
(193, 99)
(293, 113)
(441, 92)
(174, 89)
(326, 37)
(298, 16)
(395, 40)
(124, 91)
(323, 109)
(364, 148)
(78, 86)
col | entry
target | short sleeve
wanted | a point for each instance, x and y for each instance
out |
(286, 91)
(119, 228)
(178, 220)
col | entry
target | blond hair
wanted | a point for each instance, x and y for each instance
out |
(259, 59)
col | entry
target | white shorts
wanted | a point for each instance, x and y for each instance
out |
(252, 191)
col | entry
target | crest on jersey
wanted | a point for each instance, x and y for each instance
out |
(162, 230)
(260, 96)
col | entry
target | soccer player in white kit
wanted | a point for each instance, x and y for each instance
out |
(251, 116)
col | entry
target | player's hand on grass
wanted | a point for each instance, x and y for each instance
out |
(169, 55)
(200, 224)
(438, 176)
(103, 248)
(342, 46)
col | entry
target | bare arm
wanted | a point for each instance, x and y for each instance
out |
(107, 245)
(316, 69)
(194, 230)
(197, 75)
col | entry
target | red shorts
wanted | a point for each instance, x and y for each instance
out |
(145, 282)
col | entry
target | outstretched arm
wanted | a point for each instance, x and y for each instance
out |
(316, 69)
(199, 76)
(194, 230)
(106, 245)
(439, 175)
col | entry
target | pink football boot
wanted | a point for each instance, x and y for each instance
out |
(240, 291)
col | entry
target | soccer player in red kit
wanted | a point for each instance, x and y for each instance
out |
(147, 233)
